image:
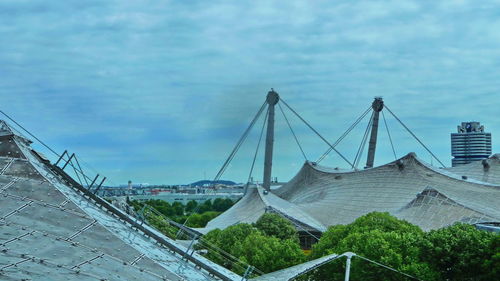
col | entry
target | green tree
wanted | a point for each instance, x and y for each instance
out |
(205, 207)
(178, 208)
(251, 246)
(228, 240)
(378, 237)
(269, 254)
(208, 216)
(191, 206)
(462, 252)
(221, 205)
(493, 265)
(200, 220)
(163, 226)
(194, 220)
(277, 226)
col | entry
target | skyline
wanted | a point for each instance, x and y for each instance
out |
(160, 92)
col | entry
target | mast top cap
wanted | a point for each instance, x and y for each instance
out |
(272, 97)
(378, 104)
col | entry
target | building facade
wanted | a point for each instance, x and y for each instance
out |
(470, 143)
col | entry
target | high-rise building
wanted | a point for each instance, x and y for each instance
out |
(470, 143)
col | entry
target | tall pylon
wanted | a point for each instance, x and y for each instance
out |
(377, 105)
(272, 99)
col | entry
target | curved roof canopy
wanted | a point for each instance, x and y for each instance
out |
(407, 188)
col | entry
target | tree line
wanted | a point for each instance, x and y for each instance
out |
(458, 252)
(197, 215)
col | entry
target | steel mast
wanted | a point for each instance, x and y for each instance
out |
(272, 99)
(377, 106)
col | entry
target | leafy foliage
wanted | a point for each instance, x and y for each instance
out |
(199, 215)
(461, 252)
(252, 246)
(191, 206)
(276, 226)
(458, 252)
(376, 236)
(199, 220)
(270, 253)
(221, 205)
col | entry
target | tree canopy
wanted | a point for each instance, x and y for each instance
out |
(461, 252)
(199, 214)
(376, 236)
(253, 246)
(458, 252)
(277, 226)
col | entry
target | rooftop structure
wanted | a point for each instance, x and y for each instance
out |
(407, 188)
(53, 226)
(470, 143)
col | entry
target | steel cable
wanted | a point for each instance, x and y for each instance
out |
(389, 134)
(413, 135)
(363, 143)
(360, 118)
(388, 267)
(239, 143)
(317, 133)
(293, 133)
(256, 150)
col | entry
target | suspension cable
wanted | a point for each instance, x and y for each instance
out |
(316, 132)
(239, 143)
(389, 134)
(363, 142)
(345, 134)
(411, 133)
(225, 255)
(230, 157)
(297, 224)
(387, 267)
(77, 176)
(26, 130)
(257, 150)
(293, 133)
(49, 148)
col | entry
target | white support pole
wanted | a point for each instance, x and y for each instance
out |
(349, 255)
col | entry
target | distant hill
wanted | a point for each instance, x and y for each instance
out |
(207, 182)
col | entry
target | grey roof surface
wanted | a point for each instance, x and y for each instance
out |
(254, 204)
(334, 197)
(476, 170)
(407, 188)
(52, 231)
(49, 227)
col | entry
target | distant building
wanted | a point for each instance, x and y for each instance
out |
(470, 143)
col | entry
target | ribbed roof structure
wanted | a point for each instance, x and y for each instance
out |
(255, 203)
(54, 229)
(408, 188)
(49, 230)
(486, 170)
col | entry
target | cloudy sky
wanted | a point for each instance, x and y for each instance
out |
(160, 91)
